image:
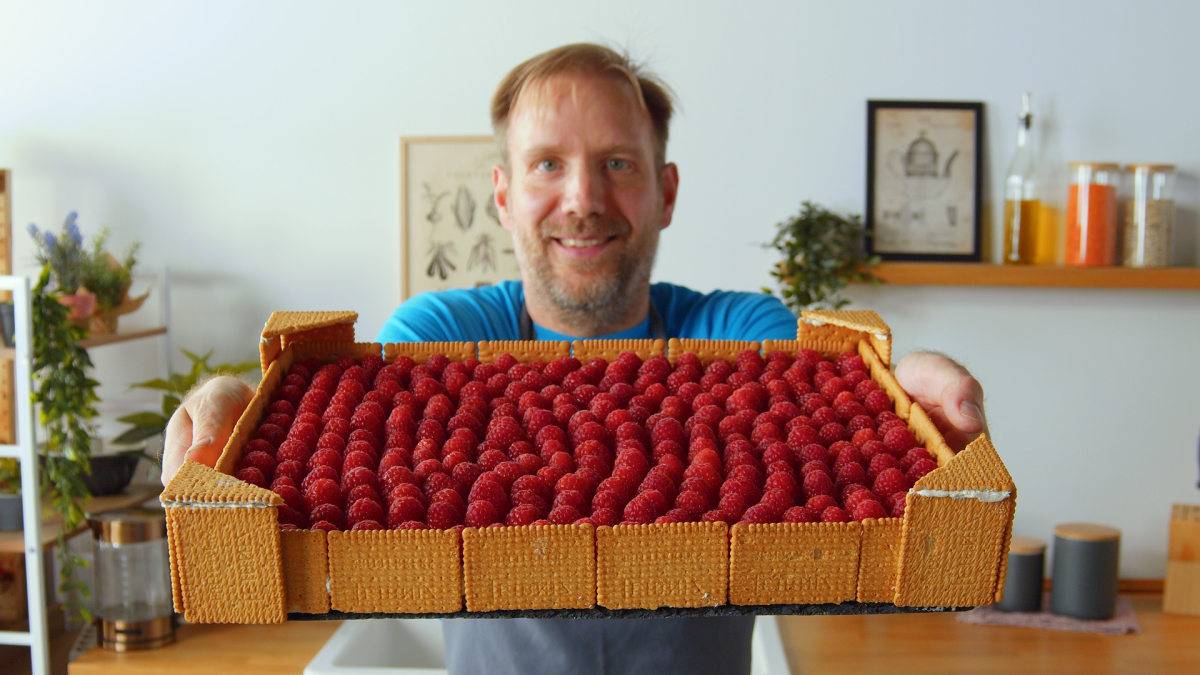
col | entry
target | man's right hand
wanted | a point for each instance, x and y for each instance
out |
(202, 424)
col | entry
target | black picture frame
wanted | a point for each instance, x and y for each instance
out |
(919, 195)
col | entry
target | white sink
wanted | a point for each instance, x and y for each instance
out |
(414, 647)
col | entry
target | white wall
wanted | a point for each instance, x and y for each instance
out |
(253, 148)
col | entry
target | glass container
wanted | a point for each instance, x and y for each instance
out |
(1092, 214)
(1149, 216)
(133, 579)
(1026, 239)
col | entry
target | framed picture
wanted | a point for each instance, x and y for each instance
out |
(924, 180)
(450, 233)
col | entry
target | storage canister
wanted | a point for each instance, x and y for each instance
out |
(1092, 214)
(1023, 581)
(134, 608)
(1149, 216)
(1086, 558)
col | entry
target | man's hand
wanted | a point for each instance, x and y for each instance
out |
(953, 399)
(202, 424)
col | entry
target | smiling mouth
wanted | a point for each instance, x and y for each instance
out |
(584, 243)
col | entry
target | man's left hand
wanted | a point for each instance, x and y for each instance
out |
(953, 399)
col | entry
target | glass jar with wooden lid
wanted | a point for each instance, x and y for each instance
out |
(1092, 214)
(1148, 215)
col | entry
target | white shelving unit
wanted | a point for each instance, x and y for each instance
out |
(37, 637)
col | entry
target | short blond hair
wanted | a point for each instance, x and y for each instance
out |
(654, 94)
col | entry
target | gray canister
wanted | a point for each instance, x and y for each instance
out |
(1023, 581)
(1086, 559)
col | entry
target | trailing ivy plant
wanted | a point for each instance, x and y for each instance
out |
(148, 424)
(822, 252)
(66, 396)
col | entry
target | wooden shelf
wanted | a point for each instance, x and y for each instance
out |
(121, 336)
(14, 542)
(99, 340)
(987, 274)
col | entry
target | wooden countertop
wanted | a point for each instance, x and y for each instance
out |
(895, 644)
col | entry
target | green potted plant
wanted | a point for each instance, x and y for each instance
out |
(821, 253)
(65, 395)
(145, 425)
(10, 495)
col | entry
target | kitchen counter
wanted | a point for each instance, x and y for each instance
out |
(896, 644)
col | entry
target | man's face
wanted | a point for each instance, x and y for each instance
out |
(583, 196)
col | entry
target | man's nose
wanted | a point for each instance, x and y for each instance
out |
(584, 193)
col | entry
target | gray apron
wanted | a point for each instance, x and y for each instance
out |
(692, 645)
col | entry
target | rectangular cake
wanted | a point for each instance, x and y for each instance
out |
(427, 478)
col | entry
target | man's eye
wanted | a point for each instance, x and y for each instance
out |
(618, 164)
(548, 165)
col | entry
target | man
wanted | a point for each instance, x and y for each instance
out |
(585, 189)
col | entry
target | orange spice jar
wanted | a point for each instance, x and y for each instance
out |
(1092, 214)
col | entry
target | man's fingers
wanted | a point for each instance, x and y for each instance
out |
(202, 424)
(951, 396)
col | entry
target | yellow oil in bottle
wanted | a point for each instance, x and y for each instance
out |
(1022, 234)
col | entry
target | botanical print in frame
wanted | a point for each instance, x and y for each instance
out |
(450, 233)
(924, 179)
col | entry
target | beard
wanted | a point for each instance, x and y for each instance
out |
(607, 289)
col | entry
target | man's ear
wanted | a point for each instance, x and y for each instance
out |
(500, 194)
(669, 180)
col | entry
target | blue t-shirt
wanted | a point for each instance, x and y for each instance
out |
(492, 313)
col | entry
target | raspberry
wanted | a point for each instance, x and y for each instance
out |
(522, 515)
(645, 507)
(404, 510)
(283, 406)
(467, 473)
(777, 501)
(855, 494)
(797, 514)
(899, 440)
(834, 514)
(362, 492)
(833, 386)
(358, 458)
(872, 448)
(869, 509)
(322, 491)
(912, 456)
(607, 517)
(438, 481)
(734, 505)
(260, 460)
(849, 473)
(694, 503)
(862, 389)
(330, 514)
(918, 470)
(359, 476)
(449, 496)
(572, 498)
(374, 525)
(889, 482)
(317, 473)
(408, 490)
(564, 515)
(252, 475)
(490, 491)
(862, 436)
(784, 482)
(896, 504)
(660, 482)
(271, 434)
(607, 499)
(759, 514)
(844, 453)
(364, 509)
(716, 515)
(818, 503)
(304, 432)
(877, 401)
(817, 483)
